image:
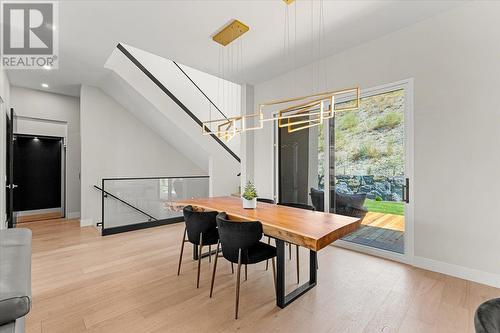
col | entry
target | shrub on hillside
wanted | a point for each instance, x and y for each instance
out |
(366, 150)
(388, 121)
(339, 140)
(348, 121)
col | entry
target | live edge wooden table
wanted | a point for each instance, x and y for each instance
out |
(309, 229)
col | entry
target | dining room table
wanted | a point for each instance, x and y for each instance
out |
(313, 230)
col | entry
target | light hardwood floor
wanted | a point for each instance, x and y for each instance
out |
(83, 282)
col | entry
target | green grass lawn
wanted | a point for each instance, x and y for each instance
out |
(389, 207)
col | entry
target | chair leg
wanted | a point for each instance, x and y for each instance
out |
(238, 285)
(289, 251)
(298, 264)
(317, 265)
(232, 268)
(267, 261)
(246, 272)
(215, 268)
(182, 251)
(210, 253)
(274, 276)
(199, 260)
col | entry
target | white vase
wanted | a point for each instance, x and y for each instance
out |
(249, 204)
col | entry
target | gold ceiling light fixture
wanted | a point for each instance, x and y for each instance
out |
(308, 111)
(226, 128)
(230, 32)
(295, 113)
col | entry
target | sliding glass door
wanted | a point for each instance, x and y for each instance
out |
(367, 169)
(356, 164)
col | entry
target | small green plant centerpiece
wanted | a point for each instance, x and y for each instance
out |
(249, 196)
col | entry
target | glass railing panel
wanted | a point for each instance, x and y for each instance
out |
(137, 200)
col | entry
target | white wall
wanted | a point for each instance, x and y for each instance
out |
(181, 87)
(223, 93)
(51, 108)
(5, 96)
(145, 100)
(41, 127)
(454, 60)
(247, 138)
(116, 144)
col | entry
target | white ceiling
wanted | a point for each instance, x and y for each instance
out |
(181, 31)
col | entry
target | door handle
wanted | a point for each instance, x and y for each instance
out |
(14, 186)
(11, 186)
(406, 191)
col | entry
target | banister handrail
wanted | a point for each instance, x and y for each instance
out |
(199, 89)
(162, 87)
(156, 177)
(126, 203)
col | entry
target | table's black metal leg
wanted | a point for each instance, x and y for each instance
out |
(313, 269)
(280, 273)
(283, 300)
(195, 252)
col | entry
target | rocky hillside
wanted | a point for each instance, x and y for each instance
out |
(370, 141)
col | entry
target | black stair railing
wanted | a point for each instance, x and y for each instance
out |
(106, 193)
(162, 87)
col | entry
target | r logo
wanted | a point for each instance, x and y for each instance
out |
(28, 28)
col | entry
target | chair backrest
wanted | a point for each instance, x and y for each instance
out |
(236, 235)
(350, 200)
(296, 205)
(487, 317)
(199, 222)
(269, 201)
(318, 199)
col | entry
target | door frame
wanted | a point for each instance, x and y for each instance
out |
(63, 167)
(10, 216)
(407, 256)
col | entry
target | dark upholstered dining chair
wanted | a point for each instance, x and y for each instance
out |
(297, 205)
(240, 241)
(269, 201)
(201, 230)
(272, 202)
(487, 317)
(340, 203)
(300, 206)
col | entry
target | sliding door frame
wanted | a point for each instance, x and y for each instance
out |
(407, 256)
(407, 85)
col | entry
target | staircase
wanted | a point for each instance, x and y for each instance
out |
(173, 100)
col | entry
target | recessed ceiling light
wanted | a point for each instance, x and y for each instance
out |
(45, 85)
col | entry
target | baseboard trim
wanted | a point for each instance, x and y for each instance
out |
(462, 272)
(466, 273)
(73, 215)
(138, 226)
(86, 222)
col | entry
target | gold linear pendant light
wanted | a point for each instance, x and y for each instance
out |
(230, 32)
(296, 113)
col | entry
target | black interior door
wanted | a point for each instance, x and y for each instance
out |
(37, 172)
(293, 166)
